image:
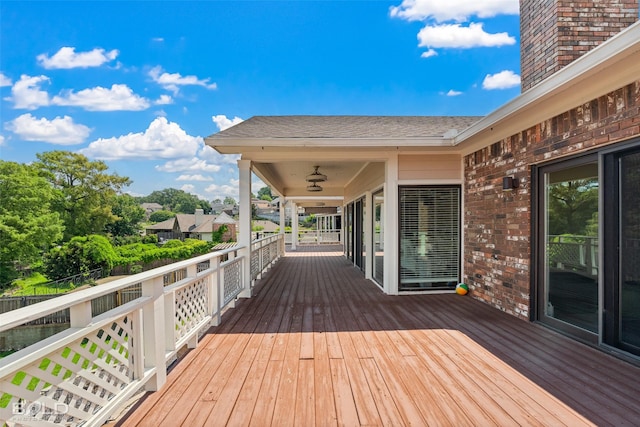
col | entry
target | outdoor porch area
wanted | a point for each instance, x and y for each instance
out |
(318, 344)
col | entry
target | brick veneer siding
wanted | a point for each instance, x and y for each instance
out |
(497, 224)
(554, 33)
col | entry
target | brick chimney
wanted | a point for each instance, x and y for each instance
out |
(553, 33)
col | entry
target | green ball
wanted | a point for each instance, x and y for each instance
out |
(462, 289)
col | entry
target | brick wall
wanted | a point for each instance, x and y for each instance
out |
(497, 223)
(554, 33)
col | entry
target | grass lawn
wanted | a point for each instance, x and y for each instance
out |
(36, 285)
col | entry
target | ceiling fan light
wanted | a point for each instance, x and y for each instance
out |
(313, 188)
(316, 176)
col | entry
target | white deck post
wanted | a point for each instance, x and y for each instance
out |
(283, 221)
(154, 331)
(294, 225)
(391, 239)
(244, 238)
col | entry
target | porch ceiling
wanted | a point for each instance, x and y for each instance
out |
(288, 179)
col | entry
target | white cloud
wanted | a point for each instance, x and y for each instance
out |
(118, 98)
(188, 188)
(429, 53)
(453, 10)
(457, 36)
(224, 123)
(221, 191)
(188, 165)
(196, 177)
(2, 140)
(67, 58)
(161, 140)
(26, 93)
(453, 93)
(158, 39)
(61, 130)
(164, 100)
(173, 81)
(212, 156)
(4, 80)
(503, 80)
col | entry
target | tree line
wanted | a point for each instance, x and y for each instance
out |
(64, 195)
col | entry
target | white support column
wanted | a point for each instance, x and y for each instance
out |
(283, 221)
(368, 235)
(391, 237)
(244, 238)
(294, 226)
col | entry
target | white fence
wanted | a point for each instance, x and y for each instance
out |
(82, 374)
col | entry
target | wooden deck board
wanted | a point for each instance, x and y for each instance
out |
(319, 345)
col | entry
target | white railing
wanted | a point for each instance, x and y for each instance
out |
(82, 374)
(264, 253)
(574, 253)
(315, 237)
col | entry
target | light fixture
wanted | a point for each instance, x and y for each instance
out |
(316, 176)
(509, 183)
(314, 187)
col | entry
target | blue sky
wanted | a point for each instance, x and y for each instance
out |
(139, 84)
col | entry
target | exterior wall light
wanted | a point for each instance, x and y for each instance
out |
(509, 183)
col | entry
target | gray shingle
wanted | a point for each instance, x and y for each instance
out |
(346, 127)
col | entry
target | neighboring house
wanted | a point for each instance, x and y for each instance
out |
(261, 204)
(193, 226)
(150, 208)
(218, 208)
(534, 206)
(266, 226)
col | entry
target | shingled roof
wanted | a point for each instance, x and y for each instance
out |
(347, 127)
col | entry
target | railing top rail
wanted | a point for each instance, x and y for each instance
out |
(26, 314)
(274, 236)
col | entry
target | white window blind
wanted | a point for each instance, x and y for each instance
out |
(429, 237)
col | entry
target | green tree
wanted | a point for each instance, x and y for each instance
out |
(27, 225)
(571, 206)
(86, 191)
(178, 201)
(79, 256)
(159, 216)
(265, 194)
(129, 215)
(230, 201)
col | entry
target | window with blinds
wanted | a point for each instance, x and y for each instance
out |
(429, 237)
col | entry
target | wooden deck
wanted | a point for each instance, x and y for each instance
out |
(320, 345)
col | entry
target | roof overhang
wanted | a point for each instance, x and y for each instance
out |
(606, 68)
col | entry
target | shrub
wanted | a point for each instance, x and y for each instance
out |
(80, 255)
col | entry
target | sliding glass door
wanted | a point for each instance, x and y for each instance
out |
(378, 237)
(588, 247)
(622, 251)
(569, 230)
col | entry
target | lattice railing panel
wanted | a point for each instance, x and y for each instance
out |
(191, 304)
(232, 283)
(255, 264)
(70, 384)
(265, 255)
